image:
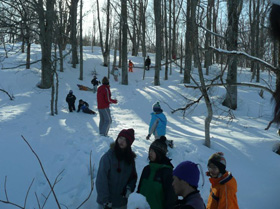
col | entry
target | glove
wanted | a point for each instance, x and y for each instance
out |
(127, 193)
(108, 205)
(114, 101)
(148, 137)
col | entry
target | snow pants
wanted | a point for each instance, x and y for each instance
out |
(105, 121)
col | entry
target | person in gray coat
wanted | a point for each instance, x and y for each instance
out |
(116, 177)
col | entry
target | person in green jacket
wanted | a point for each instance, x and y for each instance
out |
(156, 178)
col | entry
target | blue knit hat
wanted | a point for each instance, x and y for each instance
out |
(157, 108)
(187, 171)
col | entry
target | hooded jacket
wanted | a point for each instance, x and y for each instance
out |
(111, 184)
(223, 193)
(156, 185)
(157, 125)
(104, 97)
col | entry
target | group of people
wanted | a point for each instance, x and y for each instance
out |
(159, 182)
(83, 105)
(147, 64)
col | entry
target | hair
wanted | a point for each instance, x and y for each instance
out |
(160, 157)
(124, 154)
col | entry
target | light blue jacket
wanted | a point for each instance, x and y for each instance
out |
(157, 125)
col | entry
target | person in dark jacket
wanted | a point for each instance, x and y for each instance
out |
(156, 178)
(103, 103)
(148, 63)
(116, 177)
(85, 107)
(70, 99)
(185, 183)
(95, 83)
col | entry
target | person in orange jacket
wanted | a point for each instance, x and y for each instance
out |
(223, 184)
(130, 66)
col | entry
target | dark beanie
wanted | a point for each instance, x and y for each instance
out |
(105, 81)
(218, 160)
(128, 134)
(160, 146)
(189, 172)
(157, 108)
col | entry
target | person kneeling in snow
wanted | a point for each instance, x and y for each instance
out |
(84, 106)
(116, 177)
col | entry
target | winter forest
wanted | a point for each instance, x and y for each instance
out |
(214, 70)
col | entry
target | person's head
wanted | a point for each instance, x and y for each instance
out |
(157, 108)
(81, 101)
(123, 145)
(157, 151)
(185, 178)
(105, 81)
(148, 57)
(274, 19)
(217, 165)
(94, 76)
(70, 92)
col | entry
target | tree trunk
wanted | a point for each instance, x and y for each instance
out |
(74, 42)
(166, 41)
(124, 42)
(157, 11)
(188, 45)
(81, 42)
(234, 9)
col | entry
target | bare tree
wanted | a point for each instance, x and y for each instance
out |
(234, 9)
(124, 41)
(158, 23)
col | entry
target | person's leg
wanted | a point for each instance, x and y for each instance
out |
(101, 121)
(69, 107)
(107, 121)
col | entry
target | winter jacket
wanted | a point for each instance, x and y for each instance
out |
(70, 99)
(104, 97)
(191, 201)
(223, 193)
(156, 185)
(82, 106)
(116, 72)
(111, 185)
(148, 62)
(158, 125)
(95, 82)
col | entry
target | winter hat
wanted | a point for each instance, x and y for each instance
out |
(128, 134)
(159, 145)
(70, 92)
(218, 160)
(189, 172)
(105, 81)
(157, 108)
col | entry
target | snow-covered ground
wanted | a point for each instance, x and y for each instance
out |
(64, 141)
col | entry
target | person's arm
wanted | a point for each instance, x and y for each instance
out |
(108, 97)
(79, 108)
(102, 181)
(227, 198)
(132, 179)
(153, 126)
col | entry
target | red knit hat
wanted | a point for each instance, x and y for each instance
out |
(128, 134)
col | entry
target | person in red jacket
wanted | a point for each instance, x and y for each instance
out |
(130, 66)
(223, 184)
(103, 103)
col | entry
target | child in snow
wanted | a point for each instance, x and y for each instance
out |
(130, 66)
(223, 184)
(85, 107)
(185, 183)
(103, 103)
(158, 123)
(116, 176)
(95, 83)
(70, 99)
(156, 178)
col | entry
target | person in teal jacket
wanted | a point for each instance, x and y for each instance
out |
(156, 178)
(158, 123)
